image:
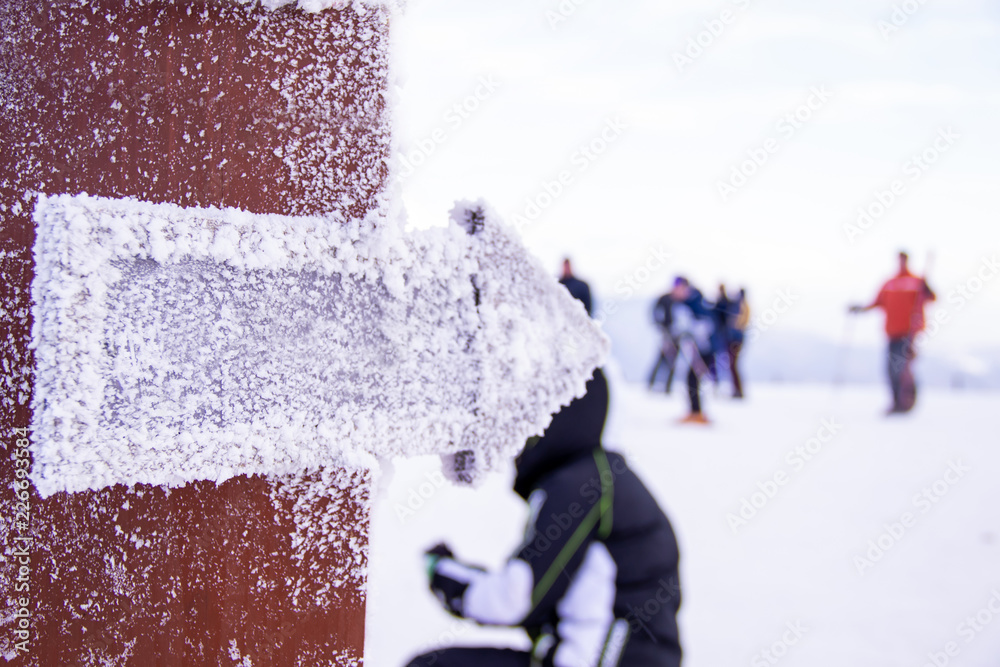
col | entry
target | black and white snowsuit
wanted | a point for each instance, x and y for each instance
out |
(595, 580)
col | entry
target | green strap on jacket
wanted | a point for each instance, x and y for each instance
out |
(602, 512)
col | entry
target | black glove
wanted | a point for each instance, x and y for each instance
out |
(448, 589)
(440, 550)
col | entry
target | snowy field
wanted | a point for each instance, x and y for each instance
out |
(878, 547)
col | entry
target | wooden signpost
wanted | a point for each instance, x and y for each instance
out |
(208, 103)
(212, 325)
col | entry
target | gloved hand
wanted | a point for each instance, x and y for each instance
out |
(433, 555)
(449, 588)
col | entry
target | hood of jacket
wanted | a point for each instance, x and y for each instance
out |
(575, 430)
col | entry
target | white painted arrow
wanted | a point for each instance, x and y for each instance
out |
(176, 344)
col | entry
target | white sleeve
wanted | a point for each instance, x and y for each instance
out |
(493, 598)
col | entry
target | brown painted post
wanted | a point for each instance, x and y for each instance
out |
(196, 103)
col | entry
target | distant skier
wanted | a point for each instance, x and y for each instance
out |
(692, 328)
(668, 346)
(578, 288)
(720, 335)
(903, 299)
(739, 319)
(595, 582)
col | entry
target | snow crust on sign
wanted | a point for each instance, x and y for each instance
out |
(320, 5)
(176, 344)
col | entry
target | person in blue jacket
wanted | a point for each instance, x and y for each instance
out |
(720, 335)
(595, 581)
(692, 327)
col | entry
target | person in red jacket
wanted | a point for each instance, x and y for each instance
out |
(902, 298)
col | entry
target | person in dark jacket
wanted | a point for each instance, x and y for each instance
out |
(579, 289)
(595, 581)
(662, 311)
(720, 335)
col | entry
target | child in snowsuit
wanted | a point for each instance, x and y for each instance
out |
(595, 581)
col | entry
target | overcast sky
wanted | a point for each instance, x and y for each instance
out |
(829, 101)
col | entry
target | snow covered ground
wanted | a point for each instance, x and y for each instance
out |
(880, 547)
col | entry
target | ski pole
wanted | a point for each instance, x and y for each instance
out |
(842, 356)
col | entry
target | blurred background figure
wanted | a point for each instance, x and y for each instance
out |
(578, 288)
(720, 336)
(902, 298)
(737, 322)
(692, 328)
(668, 346)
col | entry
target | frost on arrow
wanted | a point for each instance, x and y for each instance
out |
(178, 344)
